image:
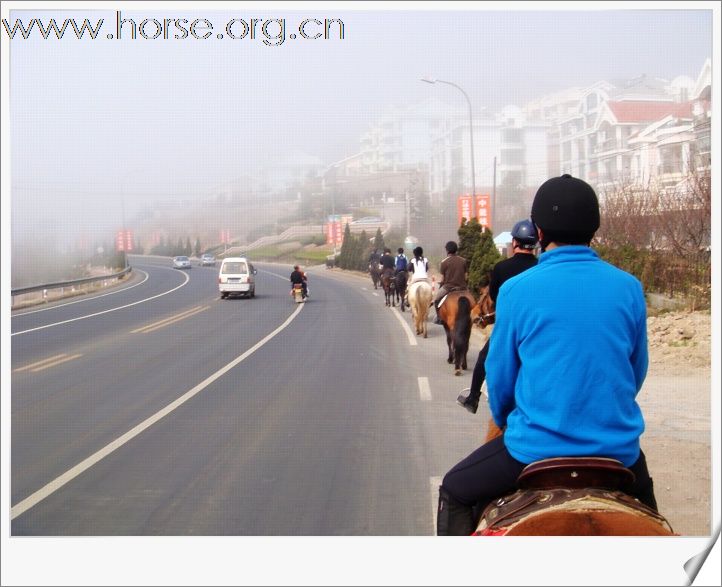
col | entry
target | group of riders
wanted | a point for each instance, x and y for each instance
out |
(564, 364)
(566, 360)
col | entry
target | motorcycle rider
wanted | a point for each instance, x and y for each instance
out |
(566, 361)
(523, 242)
(298, 276)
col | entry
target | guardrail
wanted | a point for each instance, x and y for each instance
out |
(73, 282)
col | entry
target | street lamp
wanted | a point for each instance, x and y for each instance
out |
(431, 80)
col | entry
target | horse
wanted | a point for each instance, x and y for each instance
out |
(375, 274)
(420, 295)
(389, 285)
(577, 496)
(400, 288)
(455, 313)
(483, 314)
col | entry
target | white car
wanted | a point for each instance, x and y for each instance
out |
(207, 259)
(236, 277)
(181, 262)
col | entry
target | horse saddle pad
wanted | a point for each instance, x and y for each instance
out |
(502, 516)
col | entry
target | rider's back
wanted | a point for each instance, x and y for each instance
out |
(571, 332)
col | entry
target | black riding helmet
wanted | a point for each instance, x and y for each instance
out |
(566, 209)
(525, 234)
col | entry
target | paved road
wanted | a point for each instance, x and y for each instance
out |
(288, 419)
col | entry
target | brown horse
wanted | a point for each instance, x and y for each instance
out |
(389, 285)
(483, 314)
(455, 313)
(375, 274)
(570, 497)
(400, 280)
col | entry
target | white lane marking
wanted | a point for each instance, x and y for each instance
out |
(365, 288)
(170, 320)
(424, 389)
(275, 275)
(374, 293)
(407, 328)
(84, 299)
(84, 465)
(38, 363)
(106, 311)
(434, 484)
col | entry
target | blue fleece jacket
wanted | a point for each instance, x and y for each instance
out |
(567, 358)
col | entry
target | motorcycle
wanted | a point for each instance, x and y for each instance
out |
(297, 293)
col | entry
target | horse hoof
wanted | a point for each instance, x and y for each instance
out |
(450, 361)
(457, 372)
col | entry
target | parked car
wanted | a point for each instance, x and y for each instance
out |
(236, 277)
(207, 259)
(181, 262)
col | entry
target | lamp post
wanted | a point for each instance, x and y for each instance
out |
(431, 80)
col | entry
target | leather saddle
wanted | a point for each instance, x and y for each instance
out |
(569, 484)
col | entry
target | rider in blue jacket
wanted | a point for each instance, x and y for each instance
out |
(566, 361)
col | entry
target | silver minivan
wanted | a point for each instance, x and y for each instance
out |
(237, 277)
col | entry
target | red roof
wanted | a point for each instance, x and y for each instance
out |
(645, 111)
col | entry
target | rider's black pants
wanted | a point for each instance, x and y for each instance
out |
(490, 472)
(479, 374)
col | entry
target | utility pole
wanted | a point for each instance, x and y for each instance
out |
(408, 214)
(493, 200)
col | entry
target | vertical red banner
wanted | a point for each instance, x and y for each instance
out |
(128, 240)
(464, 207)
(483, 210)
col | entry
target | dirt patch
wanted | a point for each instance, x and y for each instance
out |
(676, 403)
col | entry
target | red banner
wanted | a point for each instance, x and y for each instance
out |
(483, 210)
(124, 241)
(464, 207)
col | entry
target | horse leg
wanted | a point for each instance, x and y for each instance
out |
(450, 344)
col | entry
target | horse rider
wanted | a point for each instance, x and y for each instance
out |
(524, 239)
(454, 271)
(419, 267)
(374, 258)
(400, 261)
(387, 263)
(298, 276)
(564, 367)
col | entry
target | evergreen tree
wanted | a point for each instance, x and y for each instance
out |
(346, 248)
(469, 238)
(178, 248)
(485, 256)
(379, 243)
(187, 249)
(198, 247)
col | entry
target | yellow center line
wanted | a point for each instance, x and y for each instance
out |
(38, 363)
(169, 321)
(54, 363)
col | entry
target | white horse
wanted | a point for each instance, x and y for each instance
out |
(420, 295)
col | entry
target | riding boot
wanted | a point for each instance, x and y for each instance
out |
(470, 402)
(452, 517)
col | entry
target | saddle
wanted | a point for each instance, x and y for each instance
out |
(563, 486)
(451, 291)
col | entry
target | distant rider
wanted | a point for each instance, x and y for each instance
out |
(299, 276)
(454, 270)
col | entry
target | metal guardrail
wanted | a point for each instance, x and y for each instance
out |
(23, 290)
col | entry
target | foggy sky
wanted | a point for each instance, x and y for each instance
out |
(158, 119)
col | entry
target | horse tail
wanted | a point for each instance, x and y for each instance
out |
(462, 327)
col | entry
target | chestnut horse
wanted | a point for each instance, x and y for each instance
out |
(483, 312)
(455, 313)
(420, 294)
(580, 497)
